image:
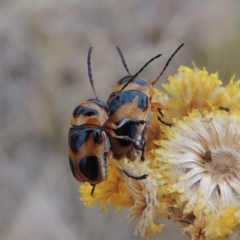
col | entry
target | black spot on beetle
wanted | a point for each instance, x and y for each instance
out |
(141, 82)
(124, 80)
(128, 97)
(86, 111)
(77, 137)
(129, 129)
(112, 95)
(97, 136)
(100, 103)
(143, 102)
(89, 167)
(136, 80)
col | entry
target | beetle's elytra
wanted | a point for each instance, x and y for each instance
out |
(89, 147)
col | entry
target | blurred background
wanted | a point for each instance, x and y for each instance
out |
(43, 76)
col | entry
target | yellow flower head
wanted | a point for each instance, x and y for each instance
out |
(197, 89)
(203, 150)
(193, 166)
(202, 155)
(220, 225)
(113, 191)
(145, 195)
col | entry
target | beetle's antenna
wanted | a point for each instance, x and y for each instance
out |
(123, 59)
(90, 71)
(135, 75)
(166, 65)
(141, 69)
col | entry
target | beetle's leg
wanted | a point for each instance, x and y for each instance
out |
(93, 188)
(160, 119)
(114, 135)
(108, 155)
(112, 125)
(165, 123)
(144, 176)
(143, 151)
(160, 112)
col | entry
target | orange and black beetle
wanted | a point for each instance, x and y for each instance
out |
(89, 147)
(130, 108)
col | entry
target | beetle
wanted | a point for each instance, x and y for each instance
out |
(89, 146)
(130, 108)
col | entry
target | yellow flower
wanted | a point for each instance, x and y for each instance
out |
(215, 226)
(232, 96)
(202, 154)
(193, 167)
(203, 150)
(113, 191)
(224, 223)
(145, 195)
(197, 89)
